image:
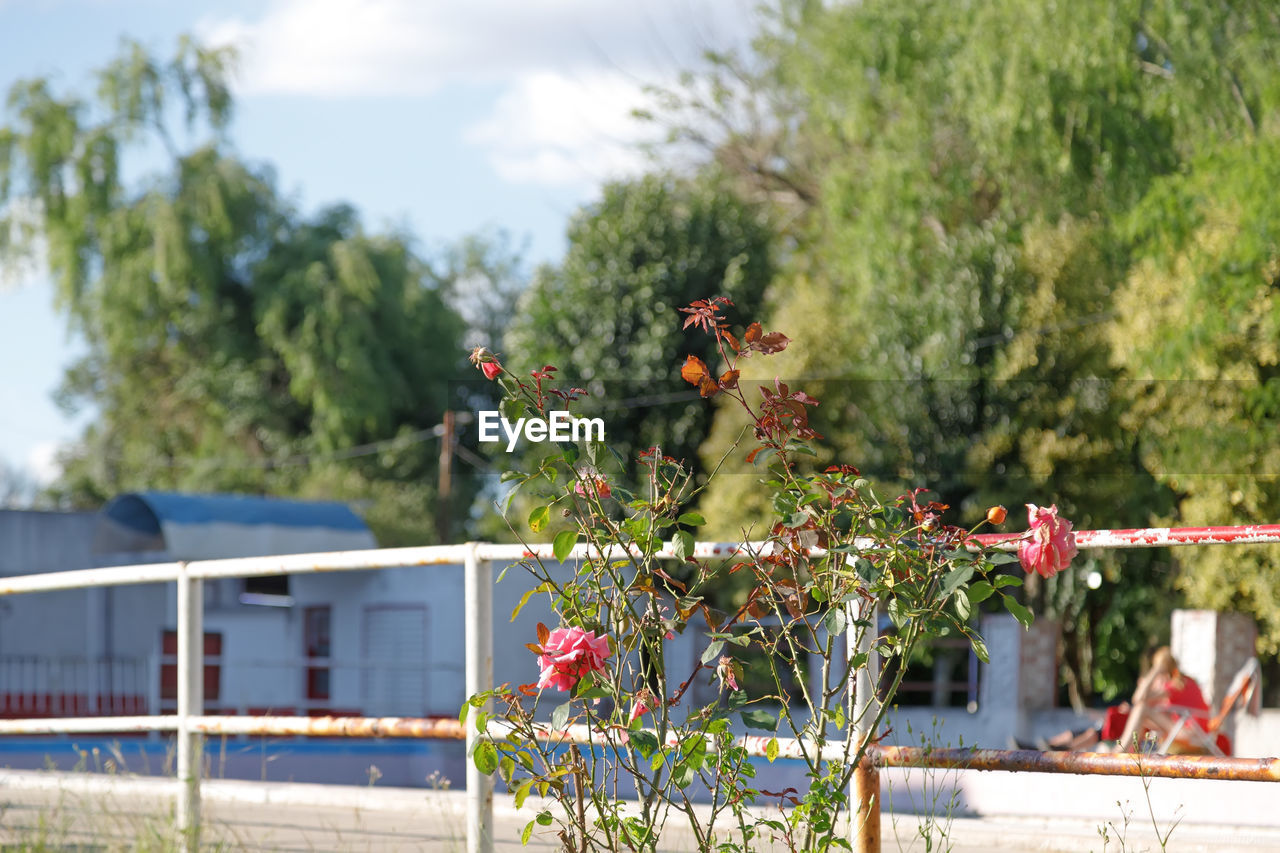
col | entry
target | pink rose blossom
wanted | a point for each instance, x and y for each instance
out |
(1049, 545)
(487, 362)
(592, 484)
(643, 700)
(570, 653)
(727, 670)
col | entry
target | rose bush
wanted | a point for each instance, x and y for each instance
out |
(624, 580)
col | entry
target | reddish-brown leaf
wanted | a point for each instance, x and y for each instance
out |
(729, 379)
(666, 577)
(528, 689)
(712, 623)
(534, 647)
(694, 370)
(773, 342)
(544, 633)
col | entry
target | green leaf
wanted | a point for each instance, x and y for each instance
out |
(957, 577)
(682, 775)
(963, 609)
(644, 742)
(570, 453)
(563, 544)
(980, 592)
(1000, 558)
(511, 475)
(865, 568)
(682, 544)
(511, 409)
(1022, 614)
(544, 818)
(524, 599)
(1007, 580)
(693, 519)
(522, 794)
(760, 720)
(713, 651)
(771, 750)
(560, 716)
(539, 518)
(506, 768)
(896, 616)
(486, 757)
(979, 648)
(835, 621)
(528, 827)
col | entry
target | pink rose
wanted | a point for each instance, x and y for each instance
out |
(486, 361)
(728, 672)
(1049, 544)
(642, 704)
(568, 654)
(592, 485)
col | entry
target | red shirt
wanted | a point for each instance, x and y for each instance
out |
(1183, 695)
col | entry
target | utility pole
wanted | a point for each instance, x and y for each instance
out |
(446, 477)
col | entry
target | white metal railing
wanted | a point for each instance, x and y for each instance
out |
(62, 686)
(191, 725)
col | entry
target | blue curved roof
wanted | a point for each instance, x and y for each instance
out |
(245, 509)
(195, 526)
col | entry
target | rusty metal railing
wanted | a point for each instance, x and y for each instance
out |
(191, 726)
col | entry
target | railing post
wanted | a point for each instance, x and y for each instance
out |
(478, 591)
(864, 816)
(190, 703)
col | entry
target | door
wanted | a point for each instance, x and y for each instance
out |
(395, 660)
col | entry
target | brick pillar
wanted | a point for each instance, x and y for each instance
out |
(1038, 685)
(1024, 665)
(1211, 647)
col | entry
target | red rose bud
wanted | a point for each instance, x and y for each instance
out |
(491, 369)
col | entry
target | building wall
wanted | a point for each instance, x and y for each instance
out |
(34, 542)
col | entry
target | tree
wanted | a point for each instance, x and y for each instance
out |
(1198, 326)
(233, 344)
(604, 316)
(972, 170)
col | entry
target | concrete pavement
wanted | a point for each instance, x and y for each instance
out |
(83, 811)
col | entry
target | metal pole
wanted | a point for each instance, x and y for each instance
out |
(864, 823)
(190, 704)
(478, 586)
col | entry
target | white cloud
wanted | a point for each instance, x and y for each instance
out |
(551, 128)
(42, 462)
(570, 71)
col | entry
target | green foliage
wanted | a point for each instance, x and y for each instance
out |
(233, 344)
(605, 314)
(986, 185)
(1199, 315)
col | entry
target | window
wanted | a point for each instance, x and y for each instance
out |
(316, 644)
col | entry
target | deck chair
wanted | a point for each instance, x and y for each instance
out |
(1244, 694)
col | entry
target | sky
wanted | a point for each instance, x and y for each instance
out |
(444, 117)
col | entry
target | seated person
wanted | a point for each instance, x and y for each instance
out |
(1163, 695)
